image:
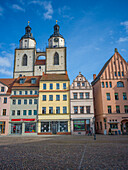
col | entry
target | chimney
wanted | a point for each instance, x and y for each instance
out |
(66, 72)
(94, 76)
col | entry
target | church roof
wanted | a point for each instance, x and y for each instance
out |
(56, 32)
(55, 77)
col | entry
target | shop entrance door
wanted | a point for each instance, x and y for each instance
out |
(54, 128)
(16, 129)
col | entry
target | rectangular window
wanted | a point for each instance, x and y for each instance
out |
(110, 84)
(114, 126)
(35, 101)
(115, 74)
(116, 96)
(36, 92)
(126, 108)
(79, 125)
(19, 101)
(75, 95)
(33, 80)
(122, 73)
(109, 109)
(35, 112)
(50, 97)
(102, 84)
(57, 97)
(64, 85)
(14, 92)
(13, 101)
(106, 84)
(117, 109)
(30, 92)
(75, 109)
(43, 110)
(81, 95)
(4, 112)
(30, 101)
(64, 97)
(22, 81)
(87, 109)
(50, 110)
(44, 86)
(18, 112)
(20, 92)
(2, 89)
(108, 96)
(87, 95)
(118, 73)
(26, 92)
(5, 100)
(57, 86)
(78, 84)
(30, 112)
(13, 112)
(25, 101)
(57, 110)
(81, 109)
(64, 109)
(24, 112)
(30, 127)
(51, 86)
(44, 97)
(124, 96)
(83, 84)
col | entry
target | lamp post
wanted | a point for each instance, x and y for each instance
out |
(94, 128)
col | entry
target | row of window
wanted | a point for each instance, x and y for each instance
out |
(106, 84)
(82, 96)
(116, 96)
(31, 92)
(80, 84)
(44, 97)
(118, 109)
(82, 109)
(119, 73)
(57, 110)
(24, 101)
(51, 86)
(24, 112)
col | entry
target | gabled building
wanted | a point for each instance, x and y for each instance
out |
(5, 91)
(24, 105)
(110, 91)
(81, 106)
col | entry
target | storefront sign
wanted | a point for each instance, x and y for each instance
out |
(19, 120)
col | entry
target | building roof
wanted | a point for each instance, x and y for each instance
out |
(40, 62)
(55, 77)
(9, 83)
(27, 82)
(56, 32)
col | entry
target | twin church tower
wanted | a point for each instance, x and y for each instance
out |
(26, 61)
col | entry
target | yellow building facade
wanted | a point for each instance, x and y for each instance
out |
(54, 104)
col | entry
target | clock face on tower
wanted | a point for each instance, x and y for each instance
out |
(56, 39)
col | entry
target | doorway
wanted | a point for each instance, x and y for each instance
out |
(54, 128)
(16, 129)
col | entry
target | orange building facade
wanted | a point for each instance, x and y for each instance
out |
(110, 91)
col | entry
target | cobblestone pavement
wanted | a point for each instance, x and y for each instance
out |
(64, 152)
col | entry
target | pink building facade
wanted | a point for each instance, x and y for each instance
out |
(110, 90)
(81, 105)
(5, 91)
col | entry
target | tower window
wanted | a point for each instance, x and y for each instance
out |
(24, 60)
(56, 59)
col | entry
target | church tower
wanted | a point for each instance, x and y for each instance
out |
(25, 55)
(56, 53)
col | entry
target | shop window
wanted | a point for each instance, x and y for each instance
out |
(75, 95)
(13, 112)
(5, 100)
(2, 89)
(25, 101)
(87, 95)
(43, 110)
(50, 110)
(57, 97)
(44, 97)
(35, 112)
(102, 84)
(64, 85)
(30, 112)
(4, 112)
(116, 96)
(110, 84)
(19, 101)
(88, 109)
(50, 97)
(45, 127)
(35, 101)
(81, 109)
(44, 86)
(126, 108)
(57, 110)
(57, 86)
(64, 109)
(81, 95)
(108, 96)
(63, 127)
(30, 127)
(75, 109)
(79, 125)
(64, 97)
(2, 127)
(30, 101)
(120, 84)
(117, 109)
(18, 112)
(51, 86)
(114, 126)
(24, 112)
(109, 109)
(106, 84)
(13, 101)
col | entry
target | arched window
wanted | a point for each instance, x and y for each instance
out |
(120, 84)
(56, 59)
(24, 60)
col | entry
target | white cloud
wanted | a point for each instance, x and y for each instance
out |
(123, 50)
(9, 55)
(12, 46)
(5, 61)
(5, 72)
(48, 7)
(21, 1)
(125, 24)
(38, 49)
(1, 11)
(64, 12)
(121, 39)
(17, 7)
(36, 2)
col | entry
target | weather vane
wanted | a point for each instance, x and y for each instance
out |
(56, 21)
(28, 22)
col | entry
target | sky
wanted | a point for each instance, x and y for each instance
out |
(92, 30)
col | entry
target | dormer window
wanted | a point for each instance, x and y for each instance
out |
(120, 84)
(22, 81)
(33, 80)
